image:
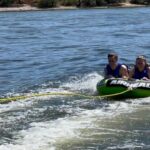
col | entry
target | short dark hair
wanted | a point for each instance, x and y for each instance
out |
(113, 55)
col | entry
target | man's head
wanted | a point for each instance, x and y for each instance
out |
(112, 59)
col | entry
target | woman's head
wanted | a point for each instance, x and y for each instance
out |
(141, 63)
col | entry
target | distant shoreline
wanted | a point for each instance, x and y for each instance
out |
(26, 7)
(20, 8)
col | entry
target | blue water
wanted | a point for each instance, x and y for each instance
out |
(66, 50)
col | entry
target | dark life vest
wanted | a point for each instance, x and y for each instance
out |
(115, 73)
(140, 74)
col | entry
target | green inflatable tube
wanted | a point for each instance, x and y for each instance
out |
(121, 88)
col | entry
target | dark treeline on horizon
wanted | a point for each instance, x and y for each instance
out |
(77, 3)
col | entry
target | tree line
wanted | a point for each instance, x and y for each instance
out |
(77, 3)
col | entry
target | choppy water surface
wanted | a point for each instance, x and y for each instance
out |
(66, 51)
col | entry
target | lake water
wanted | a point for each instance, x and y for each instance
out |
(62, 51)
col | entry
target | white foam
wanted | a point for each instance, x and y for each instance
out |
(46, 135)
(127, 146)
(14, 105)
(88, 82)
(28, 102)
(140, 101)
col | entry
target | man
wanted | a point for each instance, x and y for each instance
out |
(114, 69)
(141, 69)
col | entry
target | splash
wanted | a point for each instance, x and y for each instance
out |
(85, 83)
(82, 125)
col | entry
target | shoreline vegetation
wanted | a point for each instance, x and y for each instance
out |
(32, 5)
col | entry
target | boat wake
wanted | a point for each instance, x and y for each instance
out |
(54, 122)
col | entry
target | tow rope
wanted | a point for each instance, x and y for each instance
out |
(15, 98)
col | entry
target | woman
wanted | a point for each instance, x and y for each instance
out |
(141, 69)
